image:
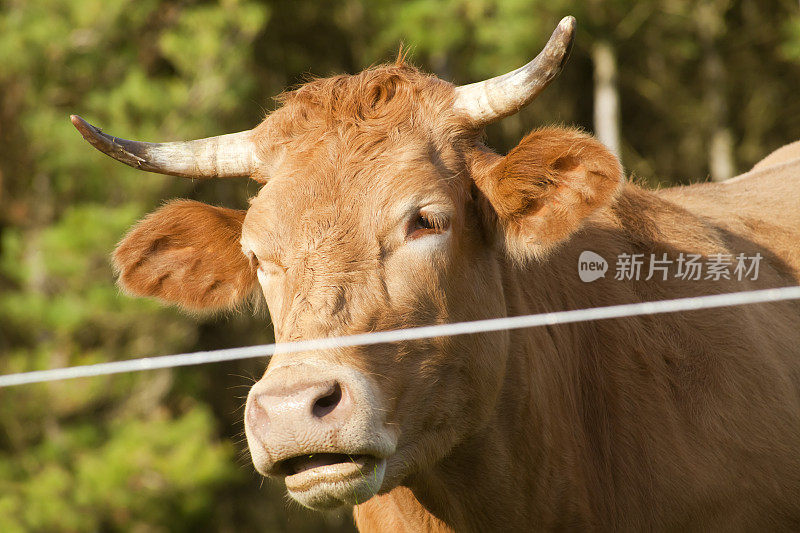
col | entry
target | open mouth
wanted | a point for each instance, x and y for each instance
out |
(314, 471)
(336, 461)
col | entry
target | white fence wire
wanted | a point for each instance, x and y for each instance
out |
(424, 332)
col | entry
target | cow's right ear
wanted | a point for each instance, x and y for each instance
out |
(187, 253)
(545, 188)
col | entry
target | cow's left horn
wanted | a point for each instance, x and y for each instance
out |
(225, 156)
(490, 100)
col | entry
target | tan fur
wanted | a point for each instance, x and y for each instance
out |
(784, 154)
(546, 186)
(187, 253)
(665, 422)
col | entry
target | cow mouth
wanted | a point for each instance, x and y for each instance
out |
(326, 461)
(328, 480)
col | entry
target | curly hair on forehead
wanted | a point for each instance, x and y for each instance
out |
(358, 117)
(384, 95)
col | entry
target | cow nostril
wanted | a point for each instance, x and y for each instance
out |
(328, 402)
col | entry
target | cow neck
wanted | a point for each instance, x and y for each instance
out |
(479, 484)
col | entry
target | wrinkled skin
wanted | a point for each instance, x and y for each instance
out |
(382, 209)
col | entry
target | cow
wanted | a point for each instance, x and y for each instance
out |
(381, 208)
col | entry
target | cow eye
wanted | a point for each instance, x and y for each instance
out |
(426, 224)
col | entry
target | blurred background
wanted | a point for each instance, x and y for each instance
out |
(682, 90)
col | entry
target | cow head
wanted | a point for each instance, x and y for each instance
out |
(380, 209)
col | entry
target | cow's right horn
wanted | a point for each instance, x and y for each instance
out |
(225, 156)
(490, 100)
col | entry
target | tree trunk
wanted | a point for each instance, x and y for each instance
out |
(606, 96)
(710, 20)
(720, 149)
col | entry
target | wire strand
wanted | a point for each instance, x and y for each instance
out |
(441, 330)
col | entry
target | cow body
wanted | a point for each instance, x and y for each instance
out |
(666, 422)
(381, 208)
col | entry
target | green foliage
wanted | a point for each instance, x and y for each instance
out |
(159, 472)
(128, 452)
(791, 47)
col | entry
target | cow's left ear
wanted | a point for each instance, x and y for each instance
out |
(187, 253)
(546, 187)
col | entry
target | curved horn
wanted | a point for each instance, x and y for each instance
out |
(490, 100)
(225, 156)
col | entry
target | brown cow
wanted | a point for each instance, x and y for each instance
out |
(382, 209)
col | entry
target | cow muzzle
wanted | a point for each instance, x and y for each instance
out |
(322, 429)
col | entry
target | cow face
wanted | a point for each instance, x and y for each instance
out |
(350, 236)
(380, 210)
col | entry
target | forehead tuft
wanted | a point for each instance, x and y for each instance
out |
(370, 94)
(381, 100)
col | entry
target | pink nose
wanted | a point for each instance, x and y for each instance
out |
(297, 408)
(308, 415)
